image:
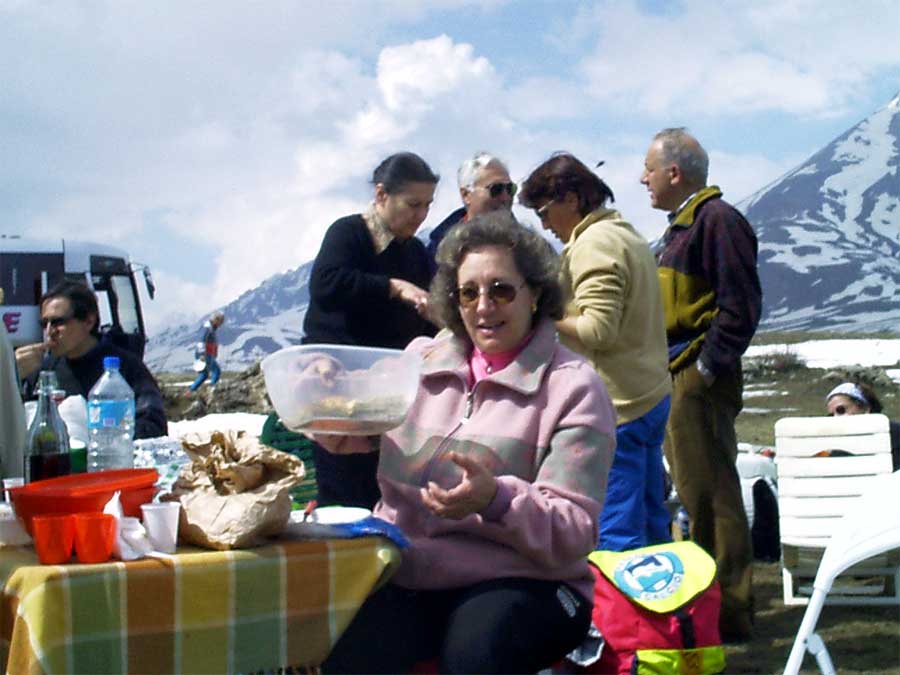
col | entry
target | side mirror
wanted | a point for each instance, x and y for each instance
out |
(148, 279)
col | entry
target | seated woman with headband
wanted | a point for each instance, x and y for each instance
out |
(851, 398)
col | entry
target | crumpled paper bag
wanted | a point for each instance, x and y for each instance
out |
(235, 492)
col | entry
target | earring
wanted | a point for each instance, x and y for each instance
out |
(534, 306)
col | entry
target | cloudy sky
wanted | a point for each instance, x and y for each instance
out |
(217, 140)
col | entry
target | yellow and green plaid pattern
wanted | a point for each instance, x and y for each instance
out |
(196, 612)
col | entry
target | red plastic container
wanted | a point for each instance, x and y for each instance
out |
(84, 493)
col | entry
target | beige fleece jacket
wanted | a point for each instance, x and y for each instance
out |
(611, 277)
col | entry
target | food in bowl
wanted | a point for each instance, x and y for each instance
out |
(341, 415)
(337, 389)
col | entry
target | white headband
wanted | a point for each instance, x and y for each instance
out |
(851, 390)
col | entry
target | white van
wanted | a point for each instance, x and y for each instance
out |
(31, 267)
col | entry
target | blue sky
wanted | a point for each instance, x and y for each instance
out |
(216, 141)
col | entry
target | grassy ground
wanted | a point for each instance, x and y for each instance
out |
(859, 639)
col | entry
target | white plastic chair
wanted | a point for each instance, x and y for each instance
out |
(824, 464)
(870, 527)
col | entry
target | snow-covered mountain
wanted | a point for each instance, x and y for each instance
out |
(259, 322)
(829, 233)
(829, 236)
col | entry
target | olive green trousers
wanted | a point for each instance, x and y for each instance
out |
(701, 449)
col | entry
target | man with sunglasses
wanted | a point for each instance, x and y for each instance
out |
(484, 186)
(712, 301)
(73, 348)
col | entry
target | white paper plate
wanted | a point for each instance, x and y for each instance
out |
(332, 515)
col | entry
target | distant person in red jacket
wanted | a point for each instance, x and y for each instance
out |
(207, 352)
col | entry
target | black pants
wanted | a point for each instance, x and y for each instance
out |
(346, 480)
(498, 626)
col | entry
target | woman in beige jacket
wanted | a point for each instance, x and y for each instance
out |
(614, 317)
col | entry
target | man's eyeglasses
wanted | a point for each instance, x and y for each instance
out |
(499, 292)
(497, 189)
(544, 210)
(55, 321)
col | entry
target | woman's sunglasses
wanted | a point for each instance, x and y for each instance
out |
(838, 410)
(499, 292)
(497, 189)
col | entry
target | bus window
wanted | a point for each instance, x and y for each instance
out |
(127, 303)
(104, 309)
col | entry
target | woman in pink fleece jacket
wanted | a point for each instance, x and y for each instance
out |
(497, 476)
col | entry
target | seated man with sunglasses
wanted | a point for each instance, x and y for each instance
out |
(484, 186)
(73, 349)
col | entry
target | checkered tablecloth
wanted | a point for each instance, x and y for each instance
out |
(198, 612)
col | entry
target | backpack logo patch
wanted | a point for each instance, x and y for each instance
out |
(650, 577)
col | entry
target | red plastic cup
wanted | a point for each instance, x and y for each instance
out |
(53, 536)
(95, 534)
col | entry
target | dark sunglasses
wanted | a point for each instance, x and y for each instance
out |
(499, 292)
(56, 321)
(839, 410)
(497, 189)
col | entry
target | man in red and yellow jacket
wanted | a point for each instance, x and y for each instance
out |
(712, 302)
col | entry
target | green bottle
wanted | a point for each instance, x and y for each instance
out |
(47, 445)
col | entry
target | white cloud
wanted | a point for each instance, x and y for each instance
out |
(414, 77)
(805, 57)
(236, 133)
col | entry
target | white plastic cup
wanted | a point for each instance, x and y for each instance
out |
(11, 483)
(161, 523)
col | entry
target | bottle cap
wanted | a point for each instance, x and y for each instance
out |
(111, 362)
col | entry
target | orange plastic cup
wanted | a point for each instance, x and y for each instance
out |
(53, 537)
(95, 534)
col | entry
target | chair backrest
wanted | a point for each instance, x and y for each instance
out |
(824, 464)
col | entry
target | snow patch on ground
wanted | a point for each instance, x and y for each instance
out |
(834, 353)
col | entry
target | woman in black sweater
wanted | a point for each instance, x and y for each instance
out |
(369, 287)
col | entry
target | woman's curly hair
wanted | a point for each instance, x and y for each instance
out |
(533, 256)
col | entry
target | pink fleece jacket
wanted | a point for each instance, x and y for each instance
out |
(545, 427)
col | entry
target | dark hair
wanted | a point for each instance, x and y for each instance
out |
(402, 168)
(533, 256)
(871, 397)
(561, 174)
(80, 297)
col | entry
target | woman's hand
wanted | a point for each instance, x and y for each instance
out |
(473, 493)
(411, 294)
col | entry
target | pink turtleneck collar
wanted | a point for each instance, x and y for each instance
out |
(481, 365)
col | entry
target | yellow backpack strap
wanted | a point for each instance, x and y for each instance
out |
(659, 578)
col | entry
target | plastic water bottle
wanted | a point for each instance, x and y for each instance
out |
(110, 412)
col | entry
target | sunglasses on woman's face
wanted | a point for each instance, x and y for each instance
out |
(544, 212)
(499, 292)
(839, 410)
(497, 189)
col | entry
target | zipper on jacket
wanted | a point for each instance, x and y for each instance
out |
(439, 450)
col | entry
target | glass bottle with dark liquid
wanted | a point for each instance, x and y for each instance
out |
(47, 447)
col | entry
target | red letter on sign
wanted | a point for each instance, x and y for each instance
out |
(11, 319)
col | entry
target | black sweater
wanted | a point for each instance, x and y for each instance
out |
(349, 299)
(77, 376)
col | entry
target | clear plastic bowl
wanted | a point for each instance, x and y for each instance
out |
(337, 389)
